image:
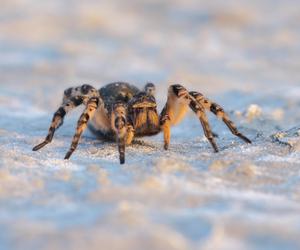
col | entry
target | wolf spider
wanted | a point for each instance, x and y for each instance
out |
(120, 111)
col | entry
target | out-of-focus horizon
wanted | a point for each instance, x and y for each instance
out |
(214, 45)
(242, 54)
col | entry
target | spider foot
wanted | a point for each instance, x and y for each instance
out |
(214, 145)
(68, 155)
(244, 138)
(122, 158)
(41, 145)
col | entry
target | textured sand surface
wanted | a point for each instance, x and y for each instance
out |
(243, 55)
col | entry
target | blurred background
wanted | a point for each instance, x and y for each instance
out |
(213, 46)
(238, 53)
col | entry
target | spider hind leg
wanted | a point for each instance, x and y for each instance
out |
(73, 97)
(91, 107)
(58, 119)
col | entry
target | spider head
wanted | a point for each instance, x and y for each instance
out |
(150, 89)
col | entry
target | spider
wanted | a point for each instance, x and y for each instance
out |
(120, 111)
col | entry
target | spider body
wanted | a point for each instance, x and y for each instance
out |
(140, 109)
(120, 111)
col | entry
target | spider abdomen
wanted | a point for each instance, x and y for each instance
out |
(141, 110)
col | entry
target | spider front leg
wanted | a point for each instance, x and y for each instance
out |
(130, 134)
(219, 112)
(174, 111)
(166, 127)
(179, 100)
(73, 97)
(87, 114)
(119, 126)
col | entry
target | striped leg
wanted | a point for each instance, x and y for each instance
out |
(219, 112)
(200, 112)
(177, 104)
(174, 111)
(73, 97)
(119, 126)
(58, 118)
(87, 114)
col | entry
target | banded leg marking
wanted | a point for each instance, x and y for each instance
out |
(88, 113)
(220, 113)
(200, 112)
(173, 111)
(167, 134)
(119, 125)
(72, 98)
(58, 119)
(179, 99)
(165, 126)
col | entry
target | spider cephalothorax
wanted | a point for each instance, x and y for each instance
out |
(120, 111)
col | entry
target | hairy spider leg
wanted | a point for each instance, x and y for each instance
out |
(165, 125)
(119, 126)
(73, 97)
(179, 100)
(87, 114)
(200, 112)
(219, 112)
(57, 120)
(174, 111)
(130, 134)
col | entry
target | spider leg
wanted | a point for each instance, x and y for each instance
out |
(119, 126)
(219, 112)
(200, 112)
(173, 111)
(130, 134)
(73, 97)
(166, 128)
(179, 100)
(87, 114)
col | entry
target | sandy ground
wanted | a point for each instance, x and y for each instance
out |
(238, 54)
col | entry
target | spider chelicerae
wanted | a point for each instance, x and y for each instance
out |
(120, 111)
